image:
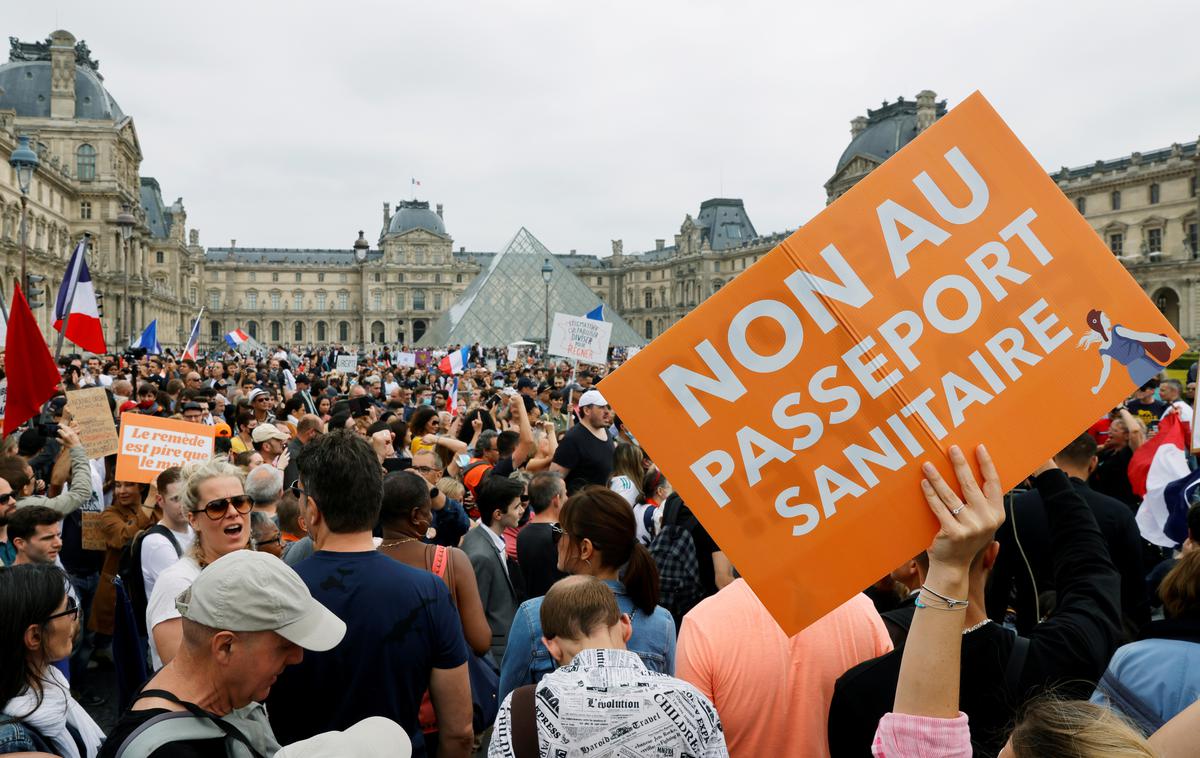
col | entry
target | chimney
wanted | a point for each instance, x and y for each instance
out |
(439, 211)
(462, 249)
(232, 244)
(659, 244)
(387, 215)
(858, 125)
(926, 109)
(62, 75)
(572, 251)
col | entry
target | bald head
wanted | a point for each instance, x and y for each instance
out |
(310, 426)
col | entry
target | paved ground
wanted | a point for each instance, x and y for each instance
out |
(100, 682)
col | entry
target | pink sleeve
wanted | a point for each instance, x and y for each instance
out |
(900, 735)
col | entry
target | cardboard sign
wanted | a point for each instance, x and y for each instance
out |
(422, 358)
(3, 396)
(953, 296)
(406, 360)
(150, 444)
(580, 339)
(97, 431)
(347, 364)
(491, 364)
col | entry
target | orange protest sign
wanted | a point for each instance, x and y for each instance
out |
(149, 444)
(954, 296)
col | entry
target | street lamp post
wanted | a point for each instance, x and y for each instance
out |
(125, 222)
(547, 272)
(361, 247)
(25, 162)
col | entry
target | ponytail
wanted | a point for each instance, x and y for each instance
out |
(641, 579)
(598, 514)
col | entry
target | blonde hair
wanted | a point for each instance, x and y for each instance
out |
(451, 487)
(195, 474)
(1075, 729)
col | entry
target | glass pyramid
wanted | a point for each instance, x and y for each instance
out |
(506, 302)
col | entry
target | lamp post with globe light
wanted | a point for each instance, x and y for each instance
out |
(25, 162)
(547, 272)
(361, 246)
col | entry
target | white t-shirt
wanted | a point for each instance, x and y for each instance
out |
(158, 554)
(624, 486)
(161, 606)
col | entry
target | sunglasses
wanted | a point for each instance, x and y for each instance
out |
(556, 532)
(216, 509)
(297, 490)
(72, 610)
(6, 498)
(267, 542)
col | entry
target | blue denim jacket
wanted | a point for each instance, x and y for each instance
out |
(526, 659)
(15, 737)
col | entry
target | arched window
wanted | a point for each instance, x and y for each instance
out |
(344, 331)
(85, 163)
(320, 331)
(418, 330)
(298, 332)
(276, 331)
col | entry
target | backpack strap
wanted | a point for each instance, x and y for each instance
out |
(223, 728)
(524, 722)
(1129, 703)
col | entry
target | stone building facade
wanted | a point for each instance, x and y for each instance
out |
(89, 158)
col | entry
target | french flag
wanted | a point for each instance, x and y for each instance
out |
(1159, 472)
(236, 337)
(455, 362)
(189, 350)
(76, 305)
(596, 314)
(452, 400)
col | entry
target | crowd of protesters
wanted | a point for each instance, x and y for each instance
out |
(404, 561)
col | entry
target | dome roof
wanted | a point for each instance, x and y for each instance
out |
(887, 130)
(26, 87)
(415, 214)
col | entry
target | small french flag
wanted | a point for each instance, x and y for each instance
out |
(189, 350)
(455, 362)
(452, 400)
(236, 337)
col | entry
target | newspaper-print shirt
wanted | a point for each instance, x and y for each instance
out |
(607, 703)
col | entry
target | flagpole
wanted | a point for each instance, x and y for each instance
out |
(3, 307)
(74, 274)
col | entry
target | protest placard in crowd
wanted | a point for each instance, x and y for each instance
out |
(347, 364)
(406, 360)
(953, 296)
(149, 444)
(579, 338)
(89, 408)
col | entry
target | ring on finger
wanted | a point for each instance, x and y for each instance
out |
(955, 511)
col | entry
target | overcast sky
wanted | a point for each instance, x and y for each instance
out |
(288, 124)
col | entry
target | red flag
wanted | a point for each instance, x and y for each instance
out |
(32, 374)
(1161, 460)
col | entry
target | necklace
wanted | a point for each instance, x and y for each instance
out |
(400, 541)
(980, 625)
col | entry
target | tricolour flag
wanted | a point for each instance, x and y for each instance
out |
(455, 362)
(34, 378)
(236, 337)
(193, 343)
(596, 314)
(1159, 471)
(149, 339)
(452, 400)
(77, 297)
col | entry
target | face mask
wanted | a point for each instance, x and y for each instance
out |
(426, 401)
(463, 460)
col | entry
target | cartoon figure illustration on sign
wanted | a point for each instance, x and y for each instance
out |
(1142, 354)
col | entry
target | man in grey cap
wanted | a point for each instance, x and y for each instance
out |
(246, 618)
(269, 441)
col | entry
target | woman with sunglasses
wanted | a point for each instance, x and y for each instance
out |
(128, 514)
(39, 625)
(219, 511)
(596, 536)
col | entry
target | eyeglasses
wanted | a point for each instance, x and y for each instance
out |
(72, 610)
(297, 490)
(556, 532)
(273, 540)
(5, 498)
(216, 509)
(427, 469)
(524, 498)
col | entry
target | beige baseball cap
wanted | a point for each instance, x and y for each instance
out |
(264, 432)
(374, 737)
(248, 591)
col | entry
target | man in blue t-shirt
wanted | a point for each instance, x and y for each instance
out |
(403, 633)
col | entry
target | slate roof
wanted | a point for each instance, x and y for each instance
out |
(27, 91)
(158, 218)
(889, 128)
(415, 214)
(1187, 150)
(724, 223)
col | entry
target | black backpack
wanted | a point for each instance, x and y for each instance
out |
(130, 571)
(674, 551)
